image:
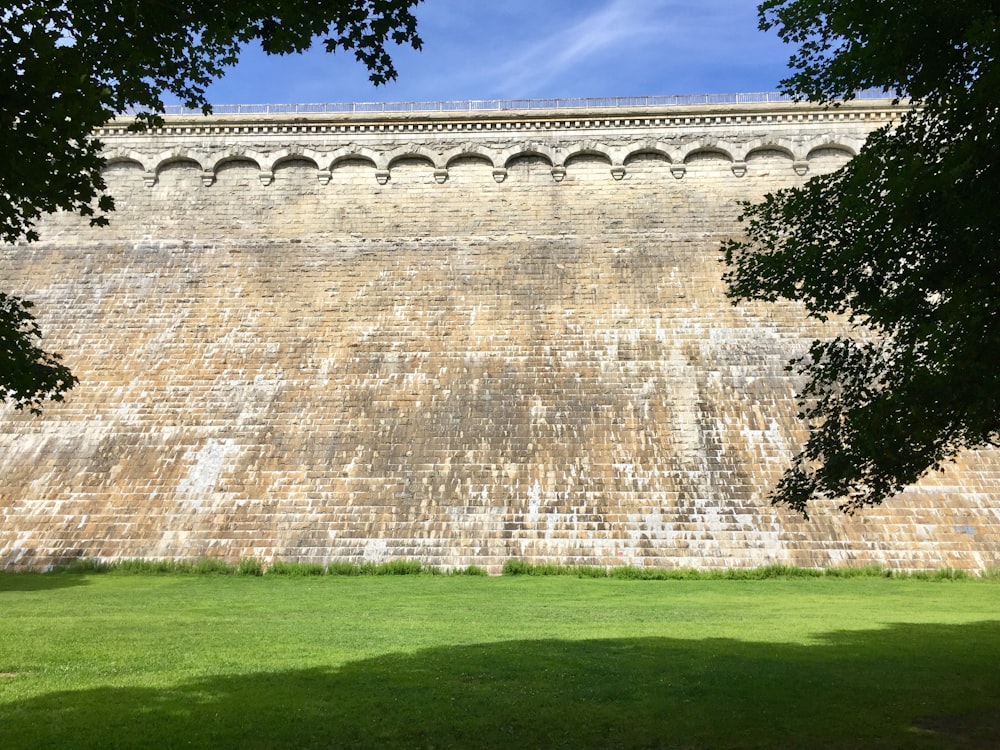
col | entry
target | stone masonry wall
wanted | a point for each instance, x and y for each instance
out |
(455, 338)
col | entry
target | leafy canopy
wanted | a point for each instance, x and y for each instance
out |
(68, 66)
(904, 241)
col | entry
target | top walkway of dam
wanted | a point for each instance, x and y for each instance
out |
(501, 105)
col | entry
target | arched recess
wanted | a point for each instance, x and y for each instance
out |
(649, 162)
(178, 172)
(588, 164)
(352, 168)
(829, 157)
(826, 148)
(294, 161)
(236, 162)
(235, 155)
(124, 171)
(122, 164)
(351, 160)
(236, 171)
(126, 159)
(470, 168)
(706, 155)
(770, 160)
(411, 168)
(535, 154)
(588, 147)
(410, 161)
(763, 145)
(413, 154)
(587, 156)
(355, 155)
(769, 151)
(532, 165)
(647, 155)
(708, 162)
(468, 156)
(291, 155)
(293, 169)
(179, 159)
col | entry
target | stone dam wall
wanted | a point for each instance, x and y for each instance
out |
(453, 337)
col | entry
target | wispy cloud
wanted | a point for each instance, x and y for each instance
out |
(539, 48)
(600, 34)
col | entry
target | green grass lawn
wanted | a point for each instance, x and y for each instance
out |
(115, 661)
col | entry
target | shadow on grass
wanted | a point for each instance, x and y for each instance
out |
(39, 581)
(904, 686)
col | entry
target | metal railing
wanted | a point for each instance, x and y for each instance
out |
(498, 105)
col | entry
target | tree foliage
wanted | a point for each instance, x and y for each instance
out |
(904, 242)
(69, 66)
(30, 375)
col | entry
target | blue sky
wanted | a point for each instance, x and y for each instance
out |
(512, 49)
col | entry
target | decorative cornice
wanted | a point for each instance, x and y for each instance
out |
(732, 132)
(702, 116)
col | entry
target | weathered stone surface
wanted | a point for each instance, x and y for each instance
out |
(456, 338)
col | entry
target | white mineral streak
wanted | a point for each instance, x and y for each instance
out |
(196, 489)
